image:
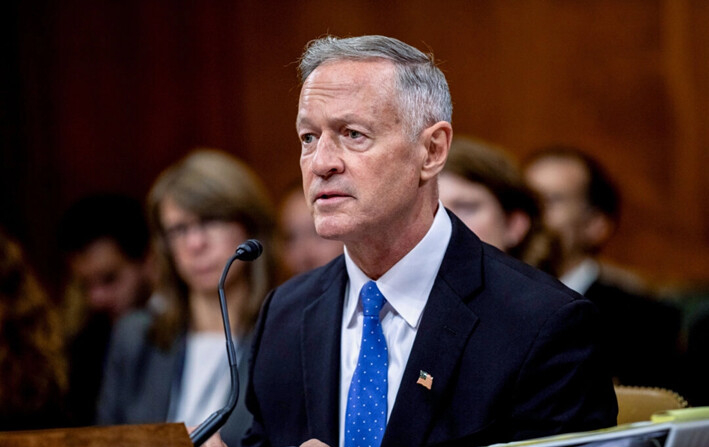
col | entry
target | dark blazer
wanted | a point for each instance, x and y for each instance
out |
(87, 357)
(640, 335)
(139, 378)
(694, 384)
(513, 355)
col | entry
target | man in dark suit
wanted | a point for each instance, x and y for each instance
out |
(581, 204)
(467, 346)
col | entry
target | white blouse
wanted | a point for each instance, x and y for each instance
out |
(205, 379)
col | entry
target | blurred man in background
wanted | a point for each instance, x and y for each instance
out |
(581, 204)
(105, 240)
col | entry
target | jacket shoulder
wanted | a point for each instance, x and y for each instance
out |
(302, 288)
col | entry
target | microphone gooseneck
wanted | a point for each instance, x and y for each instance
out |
(248, 251)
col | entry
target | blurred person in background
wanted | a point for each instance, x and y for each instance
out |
(33, 370)
(301, 247)
(171, 364)
(482, 184)
(106, 244)
(582, 205)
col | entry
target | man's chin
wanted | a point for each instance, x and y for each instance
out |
(329, 229)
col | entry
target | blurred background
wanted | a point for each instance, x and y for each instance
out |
(102, 95)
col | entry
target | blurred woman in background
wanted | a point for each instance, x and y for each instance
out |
(33, 370)
(483, 186)
(171, 365)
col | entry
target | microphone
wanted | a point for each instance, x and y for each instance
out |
(248, 251)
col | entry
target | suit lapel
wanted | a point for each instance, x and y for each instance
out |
(163, 389)
(444, 331)
(320, 345)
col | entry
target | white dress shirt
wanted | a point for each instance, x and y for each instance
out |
(582, 276)
(406, 287)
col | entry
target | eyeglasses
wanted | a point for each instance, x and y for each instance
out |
(177, 234)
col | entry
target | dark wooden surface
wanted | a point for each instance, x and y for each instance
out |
(149, 435)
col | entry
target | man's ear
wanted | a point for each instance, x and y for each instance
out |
(437, 141)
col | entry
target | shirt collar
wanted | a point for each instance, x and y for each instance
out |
(582, 276)
(407, 285)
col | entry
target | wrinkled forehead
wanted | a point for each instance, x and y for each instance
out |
(352, 75)
(347, 87)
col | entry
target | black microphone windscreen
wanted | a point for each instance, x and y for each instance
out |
(249, 250)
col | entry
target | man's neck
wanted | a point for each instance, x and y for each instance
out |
(581, 277)
(376, 255)
(571, 263)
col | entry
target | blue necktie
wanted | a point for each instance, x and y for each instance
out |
(366, 416)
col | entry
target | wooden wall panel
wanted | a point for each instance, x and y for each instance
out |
(112, 92)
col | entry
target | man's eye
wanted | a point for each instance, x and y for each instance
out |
(108, 278)
(307, 138)
(354, 133)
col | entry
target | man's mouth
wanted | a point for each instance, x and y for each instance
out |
(328, 195)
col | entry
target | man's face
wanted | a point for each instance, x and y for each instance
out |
(562, 184)
(112, 282)
(478, 208)
(361, 172)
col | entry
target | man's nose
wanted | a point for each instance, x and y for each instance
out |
(327, 159)
(99, 295)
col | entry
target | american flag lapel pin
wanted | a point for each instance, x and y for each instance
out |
(425, 380)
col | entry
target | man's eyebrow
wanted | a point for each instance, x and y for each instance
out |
(347, 118)
(301, 121)
(351, 117)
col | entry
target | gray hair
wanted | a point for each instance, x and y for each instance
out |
(423, 91)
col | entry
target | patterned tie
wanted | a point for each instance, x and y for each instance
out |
(367, 399)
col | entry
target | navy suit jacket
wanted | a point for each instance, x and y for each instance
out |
(513, 354)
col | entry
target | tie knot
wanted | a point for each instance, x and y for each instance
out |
(372, 299)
